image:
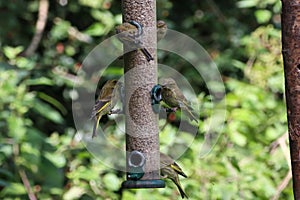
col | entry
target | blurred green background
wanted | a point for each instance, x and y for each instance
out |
(38, 143)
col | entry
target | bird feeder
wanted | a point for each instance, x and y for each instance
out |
(140, 75)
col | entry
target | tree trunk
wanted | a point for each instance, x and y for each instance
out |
(140, 77)
(291, 57)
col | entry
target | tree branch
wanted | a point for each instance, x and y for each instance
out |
(291, 59)
(40, 26)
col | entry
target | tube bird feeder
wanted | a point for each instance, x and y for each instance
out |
(142, 139)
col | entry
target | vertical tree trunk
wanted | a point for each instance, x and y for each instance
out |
(140, 77)
(291, 57)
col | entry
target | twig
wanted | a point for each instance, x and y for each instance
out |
(40, 26)
(282, 142)
(216, 10)
(249, 65)
(27, 185)
(24, 178)
(285, 148)
(282, 185)
(74, 32)
(274, 145)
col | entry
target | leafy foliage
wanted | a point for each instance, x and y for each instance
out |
(39, 142)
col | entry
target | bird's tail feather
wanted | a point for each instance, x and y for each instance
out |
(96, 126)
(190, 114)
(182, 193)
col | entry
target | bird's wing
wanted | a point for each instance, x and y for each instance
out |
(182, 100)
(176, 167)
(99, 106)
(179, 94)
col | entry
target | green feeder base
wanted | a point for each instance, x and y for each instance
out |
(130, 184)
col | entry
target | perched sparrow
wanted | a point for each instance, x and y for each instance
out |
(161, 29)
(170, 169)
(174, 98)
(130, 35)
(105, 102)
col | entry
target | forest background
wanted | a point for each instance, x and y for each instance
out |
(39, 147)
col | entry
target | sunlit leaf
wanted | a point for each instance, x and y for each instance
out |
(12, 52)
(246, 3)
(46, 111)
(39, 81)
(73, 193)
(96, 29)
(52, 101)
(111, 181)
(263, 16)
(91, 3)
(13, 189)
(57, 159)
(60, 30)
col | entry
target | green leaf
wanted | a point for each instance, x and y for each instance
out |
(57, 159)
(91, 3)
(273, 133)
(60, 29)
(83, 172)
(49, 113)
(96, 29)
(235, 136)
(74, 193)
(25, 63)
(16, 127)
(3, 183)
(70, 50)
(6, 173)
(13, 189)
(263, 16)
(6, 150)
(111, 181)
(56, 191)
(50, 174)
(12, 52)
(39, 81)
(113, 70)
(247, 3)
(53, 102)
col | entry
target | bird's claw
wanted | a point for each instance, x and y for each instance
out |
(165, 176)
(169, 110)
(117, 111)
